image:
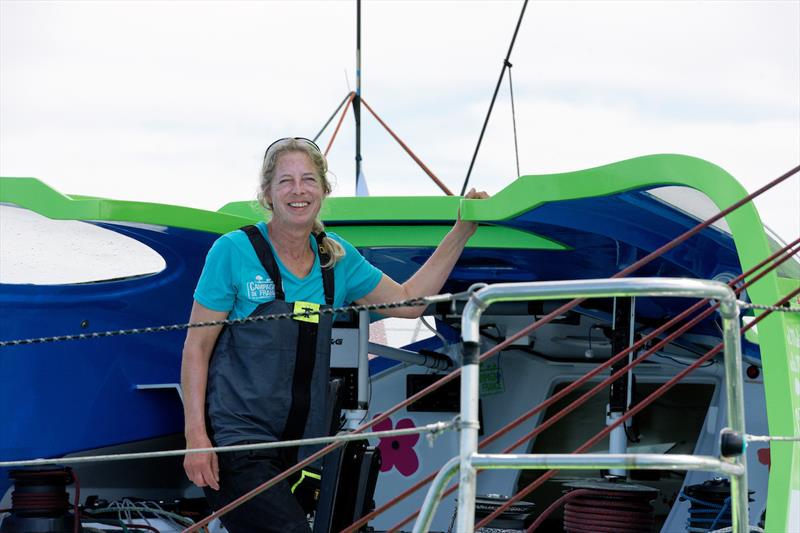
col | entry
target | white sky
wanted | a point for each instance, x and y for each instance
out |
(175, 101)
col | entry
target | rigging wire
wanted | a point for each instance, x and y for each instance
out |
(435, 428)
(682, 363)
(434, 331)
(333, 115)
(494, 97)
(513, 115)
(405, 147)
(778, 309)
(349, 99)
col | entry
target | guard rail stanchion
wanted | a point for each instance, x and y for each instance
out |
(731, 338)
(469, 434)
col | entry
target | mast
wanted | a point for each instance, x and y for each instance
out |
(357, 98)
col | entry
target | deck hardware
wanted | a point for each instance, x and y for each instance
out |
(731, 443)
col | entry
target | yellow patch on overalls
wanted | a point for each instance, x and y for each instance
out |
(301, 310)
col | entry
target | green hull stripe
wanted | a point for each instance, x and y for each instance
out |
(431, 236)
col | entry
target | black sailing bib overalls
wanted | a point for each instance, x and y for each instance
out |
(268, 380)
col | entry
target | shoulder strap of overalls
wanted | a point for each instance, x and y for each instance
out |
(267, 259)
(327, 272)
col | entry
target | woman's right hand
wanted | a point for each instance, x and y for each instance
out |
(201, 468)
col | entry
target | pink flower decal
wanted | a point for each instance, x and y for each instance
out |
(398, 452)
(764, 457)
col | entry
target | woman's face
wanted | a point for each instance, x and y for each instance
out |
(295, 192)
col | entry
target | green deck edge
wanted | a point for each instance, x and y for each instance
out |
(35, 195)
(779, 334)
(431, 236)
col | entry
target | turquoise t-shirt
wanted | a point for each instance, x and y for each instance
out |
(233, 279)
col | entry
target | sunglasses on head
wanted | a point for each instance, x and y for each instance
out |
(303, 139)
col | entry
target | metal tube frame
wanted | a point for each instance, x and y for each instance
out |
(469, 460)
(566, 461)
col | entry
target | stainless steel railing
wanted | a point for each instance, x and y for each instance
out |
(469, 460)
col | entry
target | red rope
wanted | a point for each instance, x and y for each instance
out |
(555, 505)
(46, 490)
(633, 411)
(430, 174)
(76, 523)
(48, 498)
(339, 124)
(571, 387)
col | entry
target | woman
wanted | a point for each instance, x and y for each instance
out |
(267, 380)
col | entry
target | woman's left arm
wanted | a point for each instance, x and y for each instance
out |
(430, 278)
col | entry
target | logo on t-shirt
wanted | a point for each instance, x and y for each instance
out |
(261, 289)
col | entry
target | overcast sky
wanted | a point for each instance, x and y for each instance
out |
(175, 101)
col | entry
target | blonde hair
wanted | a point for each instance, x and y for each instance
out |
(328, 246)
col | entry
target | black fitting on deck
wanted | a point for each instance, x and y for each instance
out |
(470, 352)
(731, 443)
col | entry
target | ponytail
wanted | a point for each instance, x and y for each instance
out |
(333, 249)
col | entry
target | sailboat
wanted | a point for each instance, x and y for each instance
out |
(120, 393)
(80, 396)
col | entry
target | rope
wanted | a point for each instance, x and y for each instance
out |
(416, 159)
(339, 124)
(729, 529)
(775, 308)
(124, 509)
(413, 302)
(433, 430)
(556, 505)
(767, 438)
(707, 511)
(494, 97)
(513, 115)
(333, 115)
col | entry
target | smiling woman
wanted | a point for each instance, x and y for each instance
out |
(268, 380)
